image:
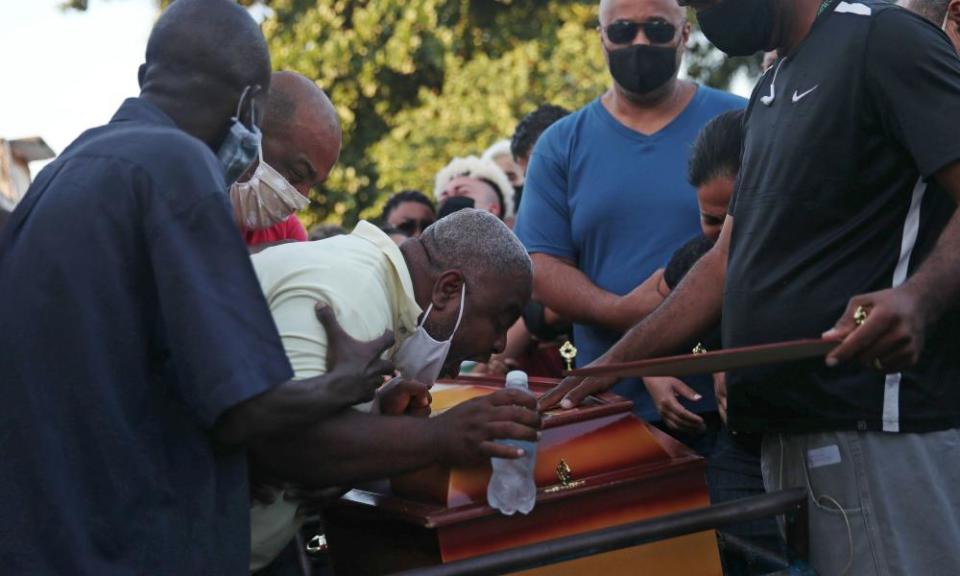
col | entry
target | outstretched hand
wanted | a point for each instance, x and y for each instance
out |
(467, 433)
(889, 338)
(356, 368)
(573, 390)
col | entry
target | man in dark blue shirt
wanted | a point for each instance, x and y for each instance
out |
(137, 354)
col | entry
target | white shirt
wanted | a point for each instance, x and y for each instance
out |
(365, 279)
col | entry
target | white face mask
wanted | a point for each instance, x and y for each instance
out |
(265, 199)
(420, 357)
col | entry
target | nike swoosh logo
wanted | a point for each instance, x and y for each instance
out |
(798, 97)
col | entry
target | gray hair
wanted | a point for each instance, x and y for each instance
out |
(478, 243)
(933, 10)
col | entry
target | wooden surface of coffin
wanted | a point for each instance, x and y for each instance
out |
(623, 471)
(600, 437)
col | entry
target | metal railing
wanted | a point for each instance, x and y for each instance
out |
(792, 503)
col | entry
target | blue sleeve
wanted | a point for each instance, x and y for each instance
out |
(543, 223)
(223, 342)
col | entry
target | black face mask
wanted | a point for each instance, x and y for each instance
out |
(739, 27)
(641, 69)
(454, 204)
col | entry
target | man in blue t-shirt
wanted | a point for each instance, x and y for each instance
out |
(606, 201)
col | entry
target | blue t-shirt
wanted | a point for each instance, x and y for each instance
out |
(617, 203)
(131, 320)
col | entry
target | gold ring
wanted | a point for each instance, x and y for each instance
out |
(860, 315)
(877, 364)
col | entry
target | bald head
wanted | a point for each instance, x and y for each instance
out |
(640, 10)
(301, 131)
(200, 57)
(293, 98)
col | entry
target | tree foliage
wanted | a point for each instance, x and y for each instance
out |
(417, 82)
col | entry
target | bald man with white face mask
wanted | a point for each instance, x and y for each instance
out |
(301, 144)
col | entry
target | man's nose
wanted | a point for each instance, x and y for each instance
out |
(641, 38)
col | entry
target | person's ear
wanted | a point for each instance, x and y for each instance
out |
(953, 15)
(447, 289)
(685, 33)
(951, 24)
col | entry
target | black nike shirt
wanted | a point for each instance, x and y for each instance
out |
(834, 200)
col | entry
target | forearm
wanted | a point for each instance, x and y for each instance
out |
(569, 293)
(936, 284)
(286, 407)
(348, 448)
(518, 340)
(691, 310)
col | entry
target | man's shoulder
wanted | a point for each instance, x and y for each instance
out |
(893, 28)
(570, 125)
(345, 254)
(867, 15)
(346, 271)
(167, 154)
(719, 101)
(140, 141)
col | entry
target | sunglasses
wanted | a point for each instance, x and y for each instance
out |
(625, 31)
(411, 226)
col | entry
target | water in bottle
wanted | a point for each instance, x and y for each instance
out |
(511, 488)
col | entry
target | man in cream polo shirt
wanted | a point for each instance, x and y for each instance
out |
(448, 296)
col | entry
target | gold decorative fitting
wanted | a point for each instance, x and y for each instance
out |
(568, 352)
(564, 473)
(860, 315)
(699, 348)
(565, 476)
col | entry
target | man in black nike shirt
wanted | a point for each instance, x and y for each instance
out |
(834, 212)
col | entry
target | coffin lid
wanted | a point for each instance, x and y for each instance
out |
(606, 444)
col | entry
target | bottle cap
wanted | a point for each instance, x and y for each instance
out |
(517, 379)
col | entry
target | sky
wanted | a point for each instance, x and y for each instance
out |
(66, 71)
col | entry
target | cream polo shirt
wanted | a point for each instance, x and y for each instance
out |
(365, 279)
(363, 276)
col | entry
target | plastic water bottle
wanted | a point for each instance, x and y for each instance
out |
(511, 488)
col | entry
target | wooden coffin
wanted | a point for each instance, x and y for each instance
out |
(597, 466)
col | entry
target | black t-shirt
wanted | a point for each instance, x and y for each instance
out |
(131, 320)
(833, 201)
(682, 261)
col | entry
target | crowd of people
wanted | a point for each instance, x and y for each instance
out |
(186, 370)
